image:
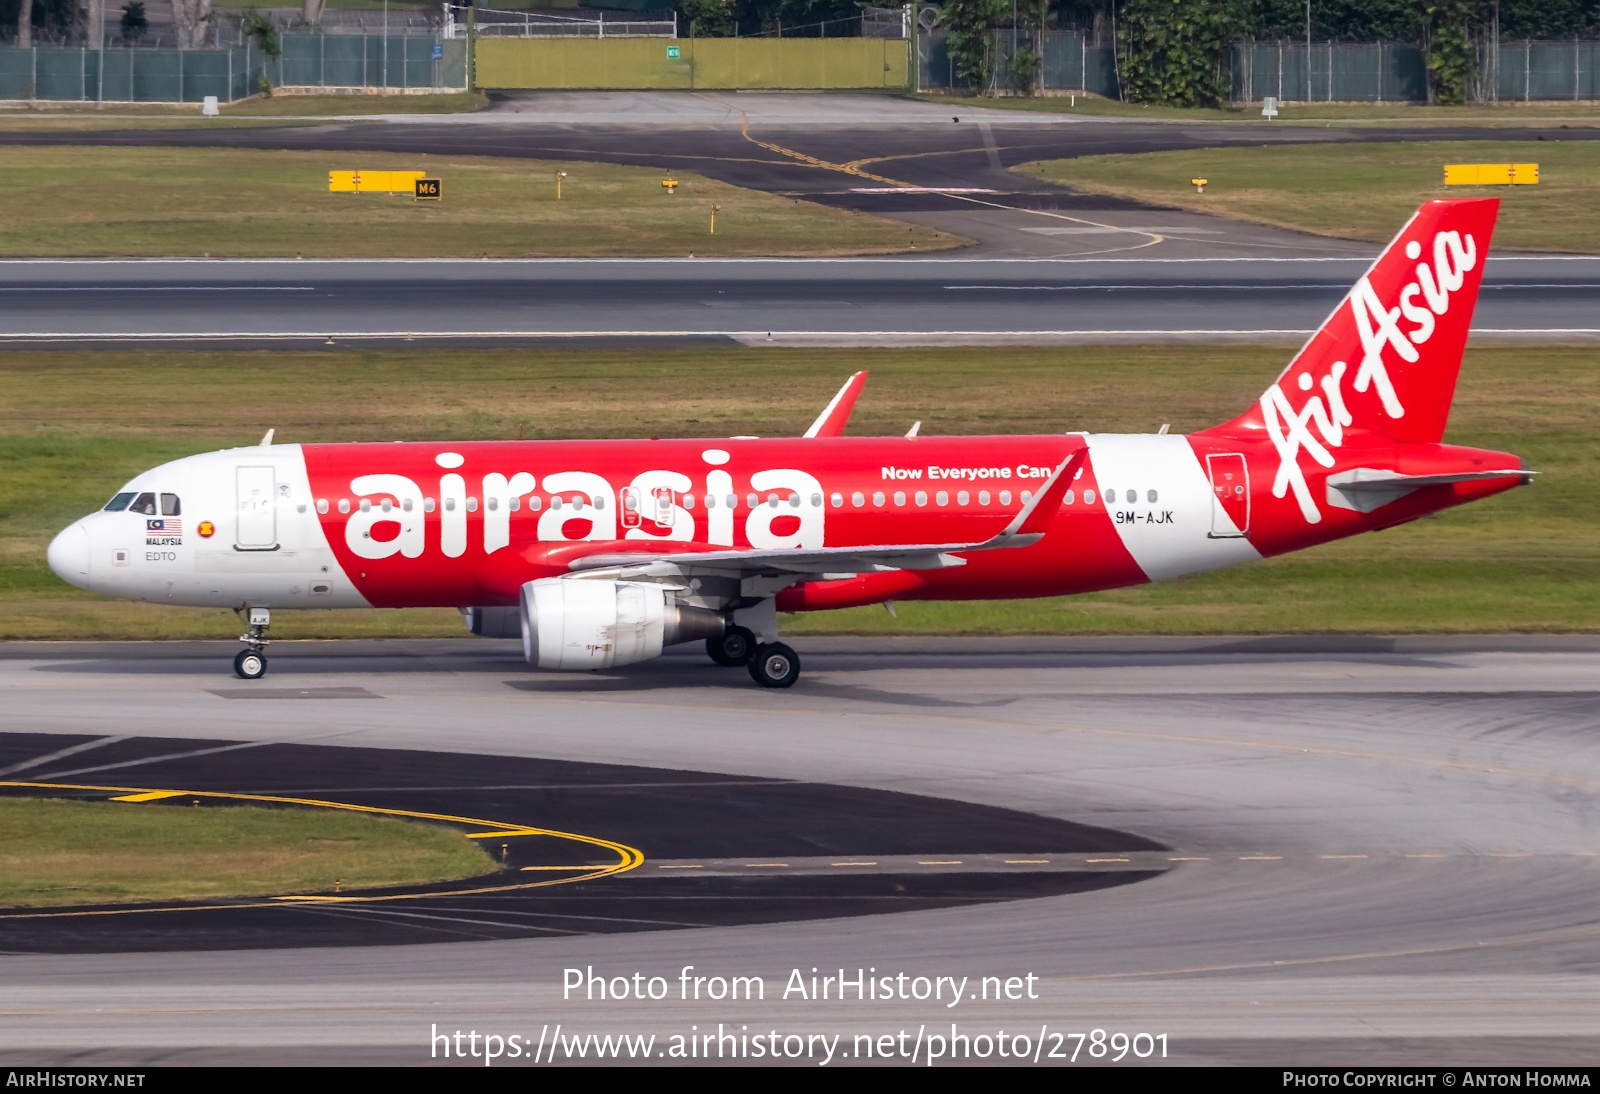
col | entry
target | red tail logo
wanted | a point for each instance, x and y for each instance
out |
(1405, 325)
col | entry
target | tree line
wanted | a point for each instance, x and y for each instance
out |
(1176, 51)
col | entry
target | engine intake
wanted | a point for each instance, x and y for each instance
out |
(575, 624)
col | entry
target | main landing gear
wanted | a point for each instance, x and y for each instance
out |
(732, 647)
(771, 664)
(775, 666)
(251, 663)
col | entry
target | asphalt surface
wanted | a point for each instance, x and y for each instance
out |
(845, 150)
(755, 302)
(1048, 265)
(1386, 849)
(717, 850)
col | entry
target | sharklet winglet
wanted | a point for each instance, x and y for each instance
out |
(831, 422)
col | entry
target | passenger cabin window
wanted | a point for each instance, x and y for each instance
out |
(145, 503)
(118, 503)
(170, 506)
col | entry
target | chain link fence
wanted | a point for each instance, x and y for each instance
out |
(1290, 71)
(336, 61)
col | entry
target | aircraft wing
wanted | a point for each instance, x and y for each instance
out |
(831, 422)
(1024, 530)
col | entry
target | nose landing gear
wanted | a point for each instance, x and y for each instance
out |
(251, 663)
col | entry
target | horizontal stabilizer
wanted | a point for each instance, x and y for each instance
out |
(1364, 489)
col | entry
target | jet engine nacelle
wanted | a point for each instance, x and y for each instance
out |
(494, 622)
(574, 624)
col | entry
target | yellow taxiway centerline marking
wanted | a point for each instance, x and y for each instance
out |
(854, 168)
(150, 796)
(628, 857)
(555, 867)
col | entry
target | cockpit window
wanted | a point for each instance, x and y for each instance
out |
(170, 506)
(145, 503)
(119, 503)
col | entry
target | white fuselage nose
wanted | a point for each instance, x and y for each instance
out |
(70, 555)
(224, 529)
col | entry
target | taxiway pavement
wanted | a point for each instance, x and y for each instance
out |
(1384, 851)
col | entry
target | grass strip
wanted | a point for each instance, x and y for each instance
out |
(1356, 191)
(221, 203)
(74, 426)
(55, 852)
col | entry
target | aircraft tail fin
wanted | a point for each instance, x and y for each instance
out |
(1386, 360)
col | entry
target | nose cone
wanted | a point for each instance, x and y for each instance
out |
(69, 555)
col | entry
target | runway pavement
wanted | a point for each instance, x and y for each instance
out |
(1383, 850)
(755, 302)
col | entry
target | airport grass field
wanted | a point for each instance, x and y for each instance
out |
(1357, 191)
(228, 203)
(55, 852)
(74, 426)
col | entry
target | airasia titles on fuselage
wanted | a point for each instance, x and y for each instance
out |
(461, 524)
(499, 514)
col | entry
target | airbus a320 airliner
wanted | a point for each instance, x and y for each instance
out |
(601, 553)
